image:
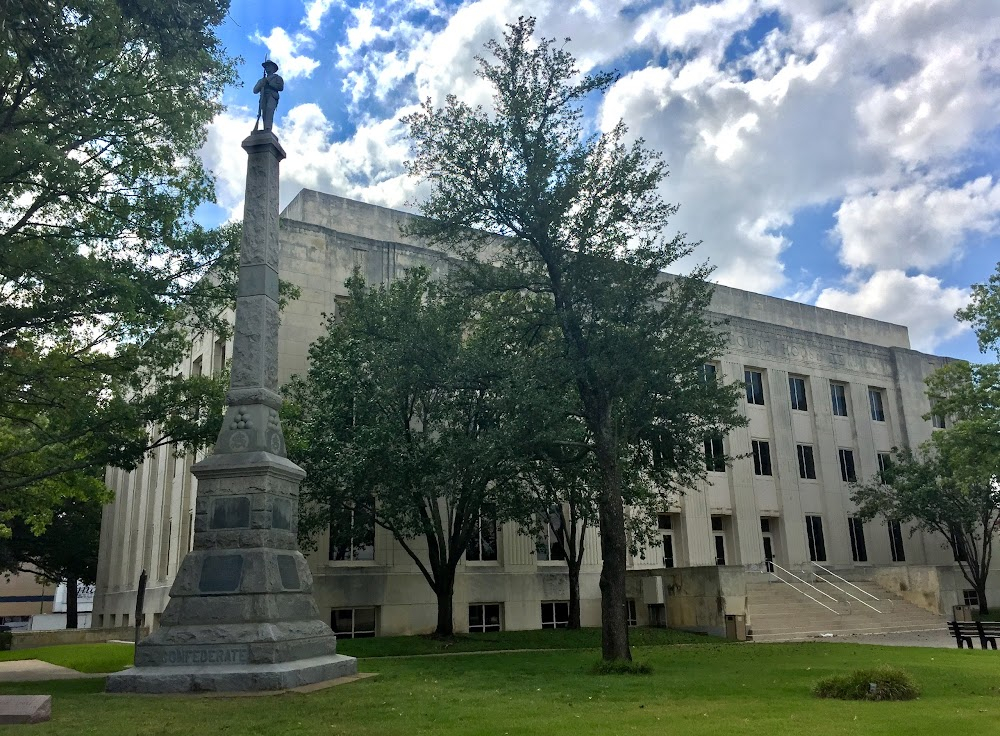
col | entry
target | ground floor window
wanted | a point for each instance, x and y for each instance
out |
(896, 542)
(555, 614)
(814, 534)
(630, 614)
(970, 597)
(484, 617)
(859, 552)
(353, 623)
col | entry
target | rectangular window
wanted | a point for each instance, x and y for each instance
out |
(847, 469)
(755, 387)
(876, 404)
(662, 450)
(356, 542)
(219, 357)
(720, 550)
(970, 597)
(663, 521)
(797, 388)
(884, 460)
(896, 542)
(353, 623)
(937, 421)
(484, 617)
(807, 462)
(708, 373)
(761, 457)
(196, 368)
(859, 552)
(630, 615)
(715, 456)
(719, 539)
(838, 397)
(555, 614)
(958, 550)
(548, 545)
(483, 542)
(668, 550)
(814, 533)
(765, 525)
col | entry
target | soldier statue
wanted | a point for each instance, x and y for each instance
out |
(268, 88)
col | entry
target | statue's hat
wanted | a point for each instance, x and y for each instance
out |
(270, 66)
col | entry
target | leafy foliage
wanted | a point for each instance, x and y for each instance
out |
(415, 417)
(877, 683)
(103, 106)
(535, 205)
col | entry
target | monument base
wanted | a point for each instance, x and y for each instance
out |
(237, 678)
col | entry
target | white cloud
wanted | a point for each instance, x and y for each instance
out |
(919, 226)
(284, 49)
(921, 302)
(315, 10)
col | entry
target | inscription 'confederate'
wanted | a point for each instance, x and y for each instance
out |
(205, 655)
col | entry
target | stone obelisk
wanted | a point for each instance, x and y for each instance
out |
(241, 615)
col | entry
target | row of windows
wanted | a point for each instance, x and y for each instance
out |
(856, 530)
(360, 623)
(754, 381)
(761, 450)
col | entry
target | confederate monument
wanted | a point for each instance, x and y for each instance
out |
(241, 615)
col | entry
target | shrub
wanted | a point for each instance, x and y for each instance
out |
(6, 640)
(879, 683)
(621, 667)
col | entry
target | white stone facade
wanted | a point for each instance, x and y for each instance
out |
(858, 391)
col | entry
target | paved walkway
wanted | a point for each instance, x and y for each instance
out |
(930, 638)
(35, 670)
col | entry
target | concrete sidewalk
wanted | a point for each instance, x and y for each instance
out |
(35, 670)
(939, 638)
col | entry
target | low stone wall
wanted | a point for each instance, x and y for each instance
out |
(32, 639)
(698, 598)
(935, 588)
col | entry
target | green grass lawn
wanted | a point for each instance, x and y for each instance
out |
(79, 657)
(711, 689)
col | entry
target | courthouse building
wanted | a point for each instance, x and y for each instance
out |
(828, 395)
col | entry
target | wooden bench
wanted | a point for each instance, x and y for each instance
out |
(986, 631)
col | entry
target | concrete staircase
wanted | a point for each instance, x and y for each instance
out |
(777, 611)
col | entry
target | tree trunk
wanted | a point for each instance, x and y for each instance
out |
(574, 592)
(72, 617)
(984, 606)
(445, 592)
(614, 548)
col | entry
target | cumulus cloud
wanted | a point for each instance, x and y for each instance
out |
(920, 302)
(284, 49)
(763, 109)
(918, 226)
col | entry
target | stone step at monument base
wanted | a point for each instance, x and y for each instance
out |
(234, 678)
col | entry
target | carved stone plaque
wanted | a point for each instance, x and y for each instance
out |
(281, 514)
(221, 574)
(289, 572)
(230, 513)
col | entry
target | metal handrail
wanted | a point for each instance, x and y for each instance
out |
(847, 592)
(776, 577)
(831, 572)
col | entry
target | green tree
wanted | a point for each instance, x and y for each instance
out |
(65, 552)
(951, 484)
(410, 417)
(533, 204)
(103, 106)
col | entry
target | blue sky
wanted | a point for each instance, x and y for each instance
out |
(844, 153)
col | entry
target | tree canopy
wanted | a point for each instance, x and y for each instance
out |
(535, 204)
(103, 107)
(413, 416)
(950, 485)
